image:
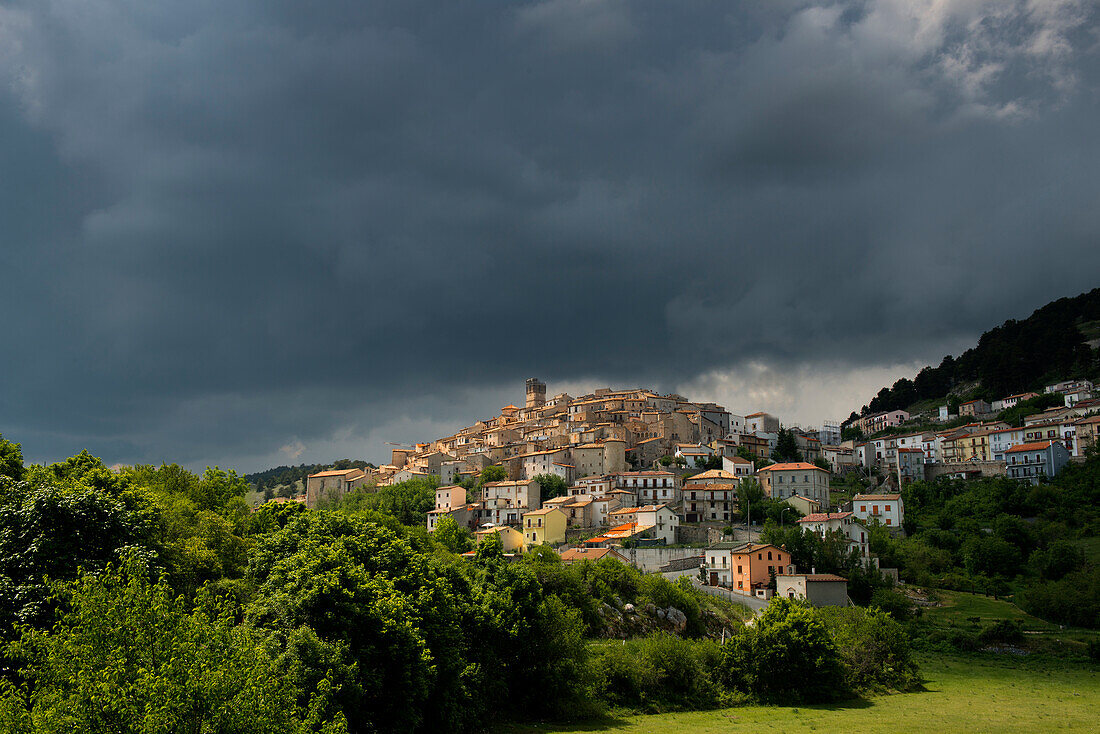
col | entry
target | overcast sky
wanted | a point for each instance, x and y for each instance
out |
(254, 232)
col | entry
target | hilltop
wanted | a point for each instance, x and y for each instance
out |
(1059, 341)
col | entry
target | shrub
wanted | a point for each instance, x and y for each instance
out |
(659, 673)
(1003, 630)
(893, 603)
(787, 655)
(874, 649)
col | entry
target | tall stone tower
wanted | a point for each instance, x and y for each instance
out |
(536, 393)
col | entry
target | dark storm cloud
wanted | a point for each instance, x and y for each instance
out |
(234, 227)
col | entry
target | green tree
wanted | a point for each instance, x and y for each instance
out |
(493, 473)
(750, 495)
(11, 460)
(51, 528)
(787, 655)
(551, 486)
(130, 656)
(874, 649)
(786, 447)
(453, 537)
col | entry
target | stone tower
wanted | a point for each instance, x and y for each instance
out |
(536, 393)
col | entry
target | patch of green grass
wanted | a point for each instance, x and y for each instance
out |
(959, 607)
(977, 693)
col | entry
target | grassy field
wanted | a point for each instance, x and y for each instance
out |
(960, 607)
(981, 693)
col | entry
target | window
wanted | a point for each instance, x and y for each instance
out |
(769, 557)
(759, 556)
(889, 521)
(740, 584)
(863, 508)
(739, 569)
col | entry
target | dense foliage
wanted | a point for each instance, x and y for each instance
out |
(1003, 536)
(1014, 357)
(153, 599)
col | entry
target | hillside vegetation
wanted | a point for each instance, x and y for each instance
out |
(1015, 357)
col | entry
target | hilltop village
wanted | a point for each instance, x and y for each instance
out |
(669, 483)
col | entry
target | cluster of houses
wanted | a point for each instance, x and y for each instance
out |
(626, 457)
(1046, 442)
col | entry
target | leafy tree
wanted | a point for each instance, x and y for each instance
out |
(453, 537)
(11, 460)
(130, 656)
(493, 473)
(52, 529)
(409, 502)
(874, 649)
(714, 461)
(551, 486)
(787, 655)
(665, 460)
(1056, 560)
(749, 495)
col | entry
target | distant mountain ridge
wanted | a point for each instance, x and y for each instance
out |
(1053, 343)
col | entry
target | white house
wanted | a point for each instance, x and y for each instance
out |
(887, 509)
(660, 520)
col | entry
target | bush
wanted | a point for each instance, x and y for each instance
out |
(659, 673)
(787, 655)
(1003, 631)
(893, 603)
(874, 649)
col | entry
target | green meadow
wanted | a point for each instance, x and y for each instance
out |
(972, 693)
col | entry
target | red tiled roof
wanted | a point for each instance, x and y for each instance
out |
(792, 466)
(823, 516)
(1038, 446)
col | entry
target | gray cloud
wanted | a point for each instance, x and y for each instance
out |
(240, 231)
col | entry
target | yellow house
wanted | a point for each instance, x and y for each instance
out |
(544, 526)
(510, 538)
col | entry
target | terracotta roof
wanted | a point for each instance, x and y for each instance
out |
(588, 554)
(543, 511)
(335, 473)
(1038, 446)
(877, 497)
(792, 466)
(756, 547)
(713, 474)
(706, 487)
(823, 516)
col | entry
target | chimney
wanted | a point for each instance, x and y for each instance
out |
(813, 570)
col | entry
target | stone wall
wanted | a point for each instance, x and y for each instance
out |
(984, 469)
(649, 560)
